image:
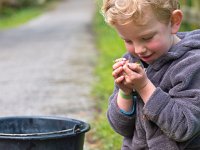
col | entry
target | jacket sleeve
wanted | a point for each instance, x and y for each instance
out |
(122, 124)
(177, 112)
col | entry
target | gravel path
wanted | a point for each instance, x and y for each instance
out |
(47, 64)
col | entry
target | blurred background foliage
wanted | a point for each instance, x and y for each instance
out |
(16, 12)
(20, 3)
(191, 19)
(8, 7)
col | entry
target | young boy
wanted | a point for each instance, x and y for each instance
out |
(157, 107)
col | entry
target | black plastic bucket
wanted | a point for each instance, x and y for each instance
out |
(42, 133)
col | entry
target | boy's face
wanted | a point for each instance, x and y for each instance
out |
(148, 41)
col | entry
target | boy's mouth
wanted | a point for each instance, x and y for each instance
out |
(146, 58)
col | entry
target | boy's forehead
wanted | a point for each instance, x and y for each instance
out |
(147, 18)
(135, 29)
(131, 30)
(147, 22)
(143, 25)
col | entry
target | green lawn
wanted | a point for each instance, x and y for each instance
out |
(20, 17)
(110, 47)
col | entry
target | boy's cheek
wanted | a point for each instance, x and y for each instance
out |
(129, 47)
(157, 46)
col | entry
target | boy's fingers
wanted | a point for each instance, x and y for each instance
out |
(119, 59)
(132, 69)
(117, 71)
(119, 80)
(134, 66)
(118, 64)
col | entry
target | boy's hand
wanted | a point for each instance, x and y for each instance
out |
(118, 74)
(135, 76)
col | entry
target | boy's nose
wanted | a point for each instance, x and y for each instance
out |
(139, 49)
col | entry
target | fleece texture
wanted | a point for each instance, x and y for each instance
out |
(170, 120)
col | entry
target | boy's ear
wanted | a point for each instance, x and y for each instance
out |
(176, 20)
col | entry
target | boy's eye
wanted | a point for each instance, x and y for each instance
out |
(147, 38)
(128, 42)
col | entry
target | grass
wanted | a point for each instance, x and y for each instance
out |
(110, 47)
(20, 17)
(14, 18)
(188, 27)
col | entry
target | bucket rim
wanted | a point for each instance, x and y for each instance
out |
(48, 135)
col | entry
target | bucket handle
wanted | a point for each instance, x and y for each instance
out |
(76, 129)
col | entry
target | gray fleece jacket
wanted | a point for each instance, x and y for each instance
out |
(170, 120)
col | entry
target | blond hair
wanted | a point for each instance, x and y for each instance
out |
(124, 11)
